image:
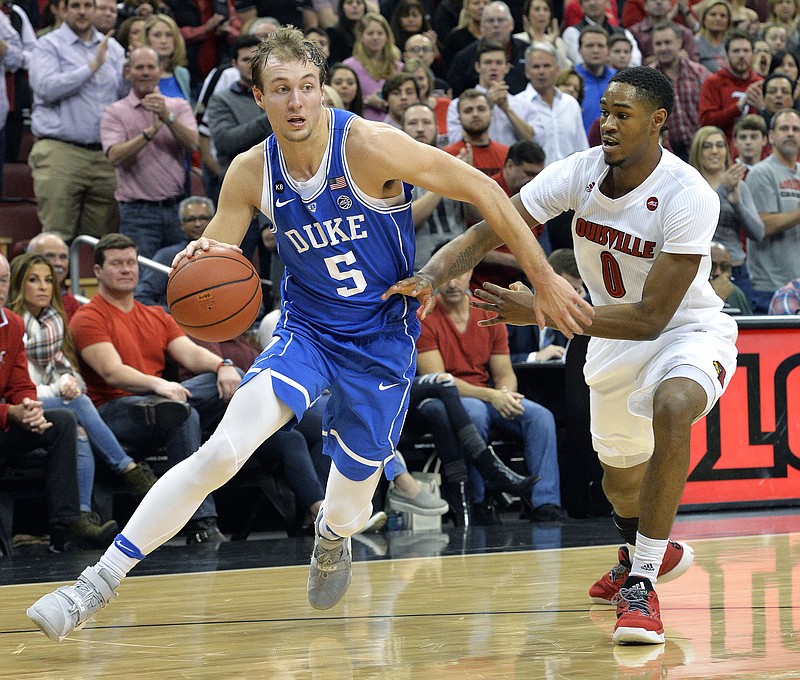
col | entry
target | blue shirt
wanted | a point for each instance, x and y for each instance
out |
(593, 89)
(68, 99)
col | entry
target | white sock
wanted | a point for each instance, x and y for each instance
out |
(648, 557)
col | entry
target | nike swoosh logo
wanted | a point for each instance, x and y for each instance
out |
(279, 203)
(383, 387)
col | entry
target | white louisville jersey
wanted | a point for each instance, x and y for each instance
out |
(617, 240)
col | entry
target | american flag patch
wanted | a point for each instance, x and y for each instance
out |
(338, 183)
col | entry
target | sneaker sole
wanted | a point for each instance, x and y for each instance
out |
(403, 506)
(636, 636)
(678, 570)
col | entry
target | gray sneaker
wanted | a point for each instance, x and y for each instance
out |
(329, 576)
(424, 503)
(70, 607)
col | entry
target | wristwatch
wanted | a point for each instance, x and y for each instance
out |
(224, 362)
(171, 118)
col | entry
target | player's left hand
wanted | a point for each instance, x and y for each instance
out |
(228, 380)
(514, 305)
(203, 243)
(416, 286)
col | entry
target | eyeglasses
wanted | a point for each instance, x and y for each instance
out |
(196, 218)
(419, 49)
(710, 145)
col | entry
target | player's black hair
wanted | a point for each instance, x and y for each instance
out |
(652, 86)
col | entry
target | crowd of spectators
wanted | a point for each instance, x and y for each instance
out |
(128, 102)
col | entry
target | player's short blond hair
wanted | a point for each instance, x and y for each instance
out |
(286, 44)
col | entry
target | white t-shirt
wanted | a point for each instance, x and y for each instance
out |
(617, 240)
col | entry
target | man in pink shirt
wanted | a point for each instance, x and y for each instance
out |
(146, 137)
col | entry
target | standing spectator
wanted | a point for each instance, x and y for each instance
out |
(131, 32)
(762, 58)
(593, 47)
(496, 25)
(374, 60)
(10, 61)
(773, 183)
(477, 148)
(478, 356)
(738, 216)
(55, 251)
(619, 52)
(715, 21)
(410, 18)
(75, 73)
(343, 34)
(786, 299)
(123, 348)
(105, 15)
(511, 117)
(784, 13)
(468, 30)
(594, 14)
(542, 27)
(207, 34)
(17, 85)
(657, 11)
(556, 114)
(750, 139)
(732, 91)
(437, 219)
(570, 82)
(24, 427)
(299, 13)
(687, 78)
(778, 89)
(163, 35)
(146, 136)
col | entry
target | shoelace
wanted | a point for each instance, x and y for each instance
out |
(636, 599)
(617, 571)
(329, 559)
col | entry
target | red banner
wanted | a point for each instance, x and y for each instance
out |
(747, 450)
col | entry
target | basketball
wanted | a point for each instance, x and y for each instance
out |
(215, 295)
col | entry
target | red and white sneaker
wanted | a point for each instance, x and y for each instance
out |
(638, 614)
(677, 560)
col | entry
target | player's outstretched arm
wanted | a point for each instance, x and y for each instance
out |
(239, 196)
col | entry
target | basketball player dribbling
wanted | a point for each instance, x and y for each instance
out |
(661, 352)
(336, 188)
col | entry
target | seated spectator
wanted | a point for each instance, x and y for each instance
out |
(778, 91)
(776, 258)
(374, 59)
(738, 216)
(55, 251)
(52, 365)
(420, 47)
(497, 24)
(541, 26)
(786, 299)
(733, 298)
(123, 346)
(478, 358)
(320, 38)
(196, 212)
(399, 92)
(163, 35)
(344, 80)
(25, 427)
(786, 63)
(776, 35)
(146, 136)
(570, 82)
(436, 402)
(715, 21)
(594, 15)
(439, 104)
(437, 219)
(750, 139)
(131, 32)
(510, 116)
(476, 147)
(408, 19)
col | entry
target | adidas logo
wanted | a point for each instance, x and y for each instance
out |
(648, 567)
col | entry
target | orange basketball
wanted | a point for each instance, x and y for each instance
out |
(215, 295)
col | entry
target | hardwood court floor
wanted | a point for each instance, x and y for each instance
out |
(521, 614)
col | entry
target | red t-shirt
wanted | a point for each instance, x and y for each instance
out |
(15, 381)
(489, 159)
(466, 355)
(140, 336)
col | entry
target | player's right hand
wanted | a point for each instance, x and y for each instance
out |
(203, 243)
(416, 286)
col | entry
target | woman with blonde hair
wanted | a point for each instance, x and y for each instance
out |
(52, 365)
(715, 18)
(426, 83)
(738, 215)
(374, 59)
(163, 35)
(467, 31)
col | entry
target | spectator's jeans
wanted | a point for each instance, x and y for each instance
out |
(59, 441)
(761, 301)
(151, 226)
(537, 429)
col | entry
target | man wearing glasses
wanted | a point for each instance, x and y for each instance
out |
(195, 213)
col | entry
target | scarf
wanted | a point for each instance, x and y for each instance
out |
(45, 337)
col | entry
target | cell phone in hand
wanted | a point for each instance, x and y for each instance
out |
(221, 8)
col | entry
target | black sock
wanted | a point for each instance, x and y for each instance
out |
(627, 526)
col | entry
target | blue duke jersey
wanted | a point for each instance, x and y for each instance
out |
(342, 249)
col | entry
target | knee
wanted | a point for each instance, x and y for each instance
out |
(675, 410)
(538, 414)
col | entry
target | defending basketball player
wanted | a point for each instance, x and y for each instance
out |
(336, 188)
(662, 352)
